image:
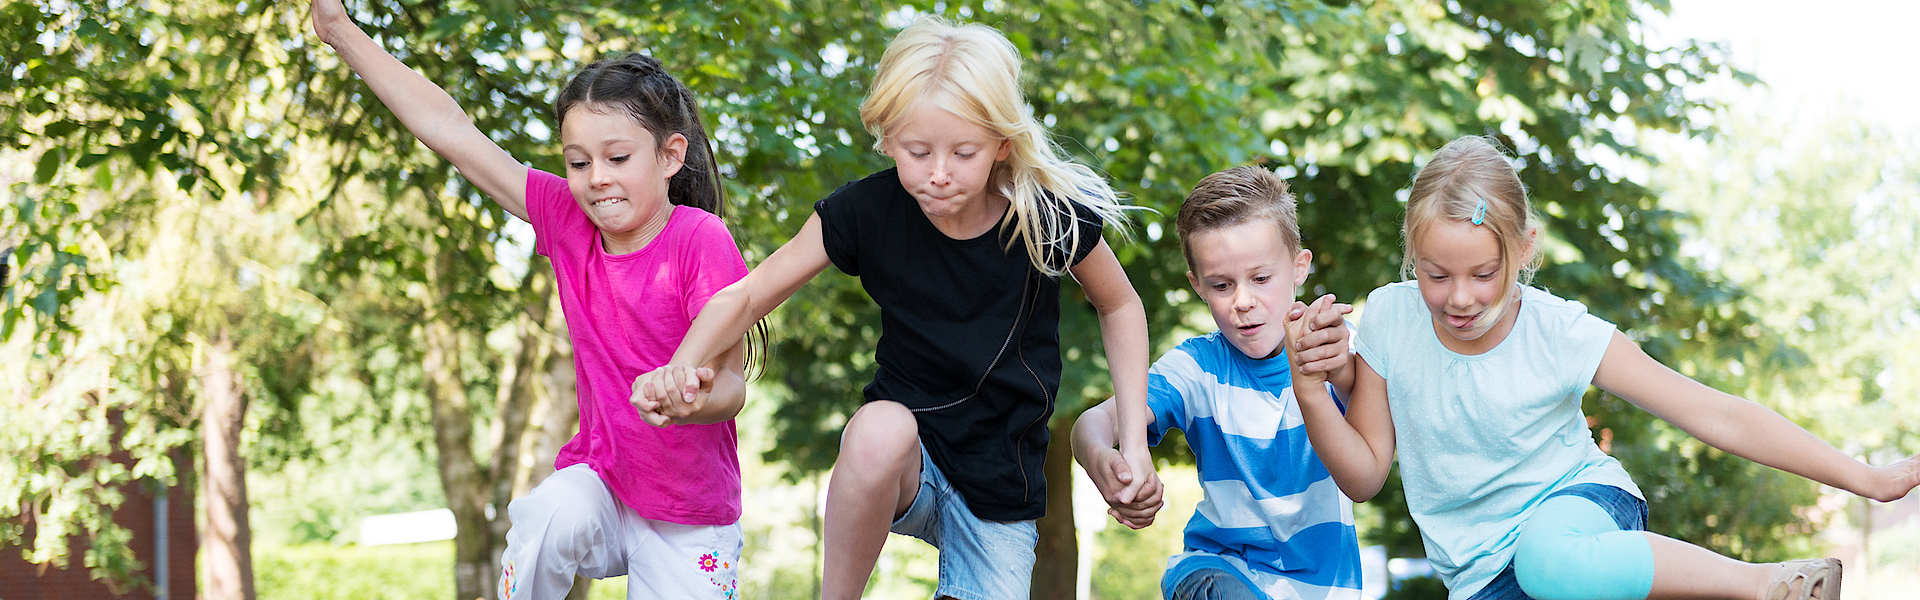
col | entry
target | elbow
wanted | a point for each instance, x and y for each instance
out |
(1360, 493)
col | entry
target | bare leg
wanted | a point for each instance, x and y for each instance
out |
(874, 481)
(1683, 570)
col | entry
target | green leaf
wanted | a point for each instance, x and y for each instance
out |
(49, 165)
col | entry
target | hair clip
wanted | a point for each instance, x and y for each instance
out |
(1480, 212)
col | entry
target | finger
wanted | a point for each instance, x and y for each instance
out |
(689, 384)
(1294, 312)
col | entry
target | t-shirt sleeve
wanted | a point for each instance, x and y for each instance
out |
(1587, 340)
(1169, 383)
(1089, 225)
(550, 207)
(1372, 338)
(713, 262)
(839, 228)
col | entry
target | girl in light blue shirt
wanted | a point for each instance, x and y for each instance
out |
(1479, 378)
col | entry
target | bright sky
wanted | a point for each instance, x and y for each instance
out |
(1815, 52)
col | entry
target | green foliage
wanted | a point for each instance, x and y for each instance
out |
(1417, 588)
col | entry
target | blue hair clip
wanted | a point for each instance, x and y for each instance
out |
(1480, 212)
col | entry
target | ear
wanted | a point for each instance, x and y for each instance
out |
(1302, 265)
(673, 154)
(1531, 246)
(1195, 282)
(1006, 150)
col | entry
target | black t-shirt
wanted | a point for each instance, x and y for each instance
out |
(969, 338)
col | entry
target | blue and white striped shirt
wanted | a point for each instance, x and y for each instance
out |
(1272, 514)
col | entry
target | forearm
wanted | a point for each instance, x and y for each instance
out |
(1757, 433)
(425, 109)
(720, 325)
(1355, 463)
(1123, 331)
(1093, 432)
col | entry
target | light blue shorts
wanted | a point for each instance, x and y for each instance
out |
(979, 559)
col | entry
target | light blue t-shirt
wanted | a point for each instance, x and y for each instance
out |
(1271, 514)
(1483, 439)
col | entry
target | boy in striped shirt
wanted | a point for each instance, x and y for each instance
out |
(1273, 524)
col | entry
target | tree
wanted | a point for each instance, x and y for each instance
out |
(140, 151)
(1816, 219)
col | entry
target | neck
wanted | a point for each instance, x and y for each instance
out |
(630, 241)
(1480, 345)
(973, 221)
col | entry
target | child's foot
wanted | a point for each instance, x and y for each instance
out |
(1810, 579)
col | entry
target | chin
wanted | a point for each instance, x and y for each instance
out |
(1254, 351)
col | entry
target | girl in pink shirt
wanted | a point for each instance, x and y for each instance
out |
(634, 234)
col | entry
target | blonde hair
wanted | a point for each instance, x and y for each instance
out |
(1466, 174)
(1234, 196)
(973, 72)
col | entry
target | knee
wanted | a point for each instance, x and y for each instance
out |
(1561, 563)
(879, 436)
(556, 514)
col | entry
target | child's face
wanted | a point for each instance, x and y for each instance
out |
(615, 170)
(945, 161)
(1458, 267)
(1247, 275)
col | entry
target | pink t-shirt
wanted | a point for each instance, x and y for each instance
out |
(626, 314)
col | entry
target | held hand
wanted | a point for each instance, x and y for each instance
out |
(1324, 349)
(1894, 481)
(1298, 329)
(671, 393)
(1132, 500)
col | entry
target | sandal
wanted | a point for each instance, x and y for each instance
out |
(1818, 579)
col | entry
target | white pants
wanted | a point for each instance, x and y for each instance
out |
(571, 524)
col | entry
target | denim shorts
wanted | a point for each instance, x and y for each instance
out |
(979, 559)
(1629, 512)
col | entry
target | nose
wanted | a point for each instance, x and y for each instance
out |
(940, 176)
(599, 175)
(1459, 295)
(1243, 298)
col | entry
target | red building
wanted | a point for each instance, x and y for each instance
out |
(164, 540)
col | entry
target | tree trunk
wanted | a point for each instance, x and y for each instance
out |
(1057, 557)
(460, 474)
(227, 542)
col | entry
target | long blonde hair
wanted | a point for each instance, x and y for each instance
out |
(1453, 185)
(973, 71)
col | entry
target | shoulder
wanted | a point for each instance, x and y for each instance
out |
(872, 188)
(1199, 356)
(1553, 310)
(1392, 302)
(696, 223)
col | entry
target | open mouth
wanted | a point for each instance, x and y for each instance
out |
(605, 202)
(1250, 329)
(1459, 322)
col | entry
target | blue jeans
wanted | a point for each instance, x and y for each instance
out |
(1212, 584)
(1628, 512)
(979, 559)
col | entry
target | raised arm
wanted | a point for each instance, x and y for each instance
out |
(1123, 331)
(1357, 448)
(425, 109)
(1742, 427)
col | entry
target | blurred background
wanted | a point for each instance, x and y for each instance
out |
(256, 341)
